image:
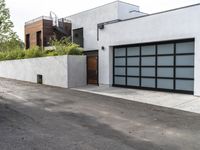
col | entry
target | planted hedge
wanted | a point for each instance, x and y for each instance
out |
(59, 50)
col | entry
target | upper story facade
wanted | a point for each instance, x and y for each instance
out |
(85, 25)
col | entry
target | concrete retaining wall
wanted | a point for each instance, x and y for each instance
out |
(61, 71)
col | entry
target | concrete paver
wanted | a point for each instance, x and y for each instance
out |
(165, 99)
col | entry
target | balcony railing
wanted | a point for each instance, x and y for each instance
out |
(38, 19)
(46, 18)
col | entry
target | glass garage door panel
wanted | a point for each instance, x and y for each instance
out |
(165, 66)
(185, 60)
(165, 84)
(120, 52)
(133, 81)
(135, 71)
(165, 72)
(148, 61)
(120, 71)
(120, 80)
(185, 85)
(186, 47)
(133, 61)
(149, 50)
(165, 60)
(120, 61)
(150, 83)
(165, 49)
(185, 73)
(133, 51)
(148, 72)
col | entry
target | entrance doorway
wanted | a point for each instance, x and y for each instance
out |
(92, 67)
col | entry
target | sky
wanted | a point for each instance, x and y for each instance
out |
(25, 10)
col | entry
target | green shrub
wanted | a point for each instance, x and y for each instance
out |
(62, 47)
(33, 52)
(2, 56)
(11, 45)
(66, 47)
(75, 51)
(52, 53)
(11, 55)
(21, 54)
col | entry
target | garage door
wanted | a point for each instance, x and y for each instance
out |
(167, 66)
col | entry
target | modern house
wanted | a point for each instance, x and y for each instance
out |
(129, 48)
(86, 31)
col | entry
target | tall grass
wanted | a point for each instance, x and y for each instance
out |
(21, 54)
(62, 47)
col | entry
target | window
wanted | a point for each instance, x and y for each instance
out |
(78, 37)
(27, 41)
(39, 38)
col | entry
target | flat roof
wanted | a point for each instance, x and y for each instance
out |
(116, 1)
(38, 19)
(147, 15)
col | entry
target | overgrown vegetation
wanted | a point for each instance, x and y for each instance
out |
(20, 54)
(8, 38)
(62, 47)
(11, 47)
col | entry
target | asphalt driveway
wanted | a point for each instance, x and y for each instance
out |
(37, 117)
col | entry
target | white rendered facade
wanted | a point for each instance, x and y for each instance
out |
(133, 27)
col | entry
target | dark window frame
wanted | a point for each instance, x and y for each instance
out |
(82, 29)
(39, 38)
(28, 42)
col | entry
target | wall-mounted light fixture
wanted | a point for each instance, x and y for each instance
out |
(103, 48)
(101, 26)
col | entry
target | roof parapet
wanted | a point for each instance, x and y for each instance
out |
(38, 19)
(46, 18)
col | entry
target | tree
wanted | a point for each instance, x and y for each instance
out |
(8, 38)
(12, 44)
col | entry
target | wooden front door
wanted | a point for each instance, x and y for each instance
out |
(92, 68)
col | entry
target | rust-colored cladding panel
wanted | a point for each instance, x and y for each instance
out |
(48, 31)
(32, 30)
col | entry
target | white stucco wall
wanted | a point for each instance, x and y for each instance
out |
(126, 11)
(56, 71)
(77, 75)
(177, 24)
(88, 20)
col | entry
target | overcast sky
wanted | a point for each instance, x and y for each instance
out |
(24, 10)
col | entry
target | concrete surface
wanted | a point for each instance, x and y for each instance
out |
(165, 99)
(62, 71)
(37, 117)
(77, 74)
